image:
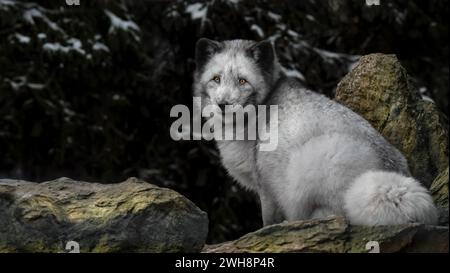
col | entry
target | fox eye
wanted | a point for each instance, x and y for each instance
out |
(216, 79)
(242, 81)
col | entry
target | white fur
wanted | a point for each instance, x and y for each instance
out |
(387, 198)
(329, 160)
(324, 149)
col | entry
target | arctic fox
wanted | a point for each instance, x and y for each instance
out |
(329, 160)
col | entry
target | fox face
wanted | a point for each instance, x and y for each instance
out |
(236, 72)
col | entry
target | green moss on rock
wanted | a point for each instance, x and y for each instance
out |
(377, 89)
(335, 235)
(132, 216)
(439, 191)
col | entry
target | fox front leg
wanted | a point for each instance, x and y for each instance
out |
(271, 213)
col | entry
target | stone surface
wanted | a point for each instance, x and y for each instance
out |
(335, 235)
(439, 191)
(132, 216)
(377, 88)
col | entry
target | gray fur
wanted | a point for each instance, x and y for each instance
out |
(329, 160)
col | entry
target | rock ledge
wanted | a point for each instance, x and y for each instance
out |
(131, 216)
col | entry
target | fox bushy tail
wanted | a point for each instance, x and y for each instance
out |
(388, 198)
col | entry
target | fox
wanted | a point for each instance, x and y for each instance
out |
(329, 160)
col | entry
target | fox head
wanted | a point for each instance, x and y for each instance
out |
(235, 72)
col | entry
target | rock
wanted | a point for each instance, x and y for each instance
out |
(334, 234)
(131, 216)
(377, 88)
(439, 191)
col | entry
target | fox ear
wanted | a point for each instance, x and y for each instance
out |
(264, 54)
(204, 49)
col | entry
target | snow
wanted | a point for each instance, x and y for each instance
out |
(293, 73)
(100, 46)
(426, 98)
(400, 15)
(327, 54)
(173, 14)
(310, 17)
(42, 36)
(258, 30)
(36, 86)
(274, 16)
(125, 25)
(423, 93)
(118, 23)
(293, 33)
(281, 26)
(22, 38)
(97, 128)
(274, 37)
(197, 11)
(55, 47)
(22, 81)
(32, 13)
(74, 44)
(66, 110)
(49, 103)
(17, 83)
(5, 4)
(330, 56)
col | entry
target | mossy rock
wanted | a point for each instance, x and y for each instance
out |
(132, 216)
(439, 191)
(335, 235)
(378, 89)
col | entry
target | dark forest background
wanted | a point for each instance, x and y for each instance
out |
(85, 91)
